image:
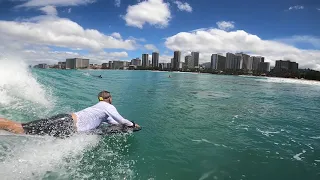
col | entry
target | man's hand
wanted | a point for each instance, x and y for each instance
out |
(137, 126)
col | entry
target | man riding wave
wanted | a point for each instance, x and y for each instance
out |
(66, 124)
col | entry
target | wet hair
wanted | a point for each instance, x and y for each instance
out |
(104, 95)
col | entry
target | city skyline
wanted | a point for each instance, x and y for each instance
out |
(49, 31)
(237, 61)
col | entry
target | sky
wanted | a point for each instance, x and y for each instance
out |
(50, 31)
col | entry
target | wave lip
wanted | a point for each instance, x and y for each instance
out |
(17, 84)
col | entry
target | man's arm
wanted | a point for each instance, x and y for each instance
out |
(112, 111)
(110, 120)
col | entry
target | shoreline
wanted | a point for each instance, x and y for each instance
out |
(241, 75)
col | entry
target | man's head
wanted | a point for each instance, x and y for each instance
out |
(105, 96)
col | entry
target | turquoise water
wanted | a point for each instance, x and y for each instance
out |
(195, 126)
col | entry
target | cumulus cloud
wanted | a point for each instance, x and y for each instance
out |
(35, 54)
(153, 12)
(49, 10)
(117, 3)
(183, 6)
(35, 40)
(297, 7)
(225, 25)
(209, 41)
(40, 3)
(116, 35)
(313, 41)
(60, 32)
(151, 47)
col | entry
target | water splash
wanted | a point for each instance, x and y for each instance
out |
(33, 158)
(17, 84)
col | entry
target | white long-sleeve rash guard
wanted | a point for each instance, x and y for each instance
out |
(91, 117)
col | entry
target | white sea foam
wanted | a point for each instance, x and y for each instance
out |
(268, 133)
(309, 145)
(201, 140)
(32, 158)
(86, 74)
(290, 81)
(209, 142)
(315, 137)
(206, 175)
(297, 156)
(17, 84)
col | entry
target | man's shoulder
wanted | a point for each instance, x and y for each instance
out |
(105, 104)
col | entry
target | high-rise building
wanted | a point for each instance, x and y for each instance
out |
(286, 66)
(176, 60)
(136, 62)
(62, 65)
(256, 60)
(77, 63)
(41, 66)
(238, 62)
(294, 67)
(104, 65)
(145, 60)
(155, 59)
(264, 67)
(165, 66)
(118, 64)
(218, 62)
(230, 61)
(196, 56)
(189, 62)
(246, 61)
(110, 64)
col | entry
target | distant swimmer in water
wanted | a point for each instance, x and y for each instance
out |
(97, 76)
(63, 125)
(169, 76)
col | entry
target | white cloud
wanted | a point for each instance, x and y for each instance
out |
(33, 54)
(153, 12)
(209, 41)
(183, 6)
(295, 40)
(318, 9)
(39, 3)
(116, 35)
(60, 32)
(151, 47)
(117, 3)
(297, 7)
(225, 25)
(49, 10)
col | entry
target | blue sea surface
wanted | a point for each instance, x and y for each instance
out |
(194, 126)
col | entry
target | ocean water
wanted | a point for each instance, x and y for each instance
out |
(195, 126)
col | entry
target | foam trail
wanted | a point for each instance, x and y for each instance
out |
(206, 175)
(315, 137)
(32, 158)
(267, 133)
(297, 156)
(17, 82)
